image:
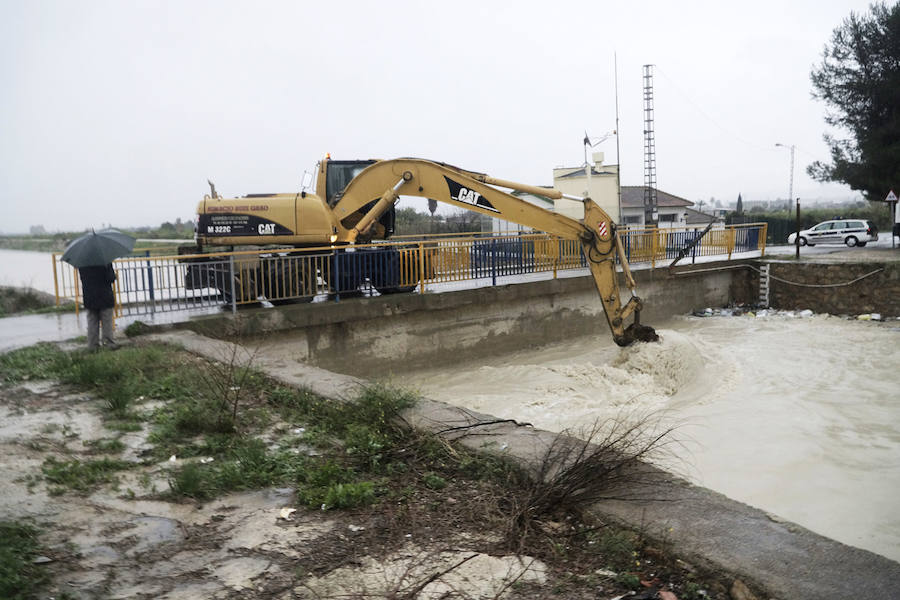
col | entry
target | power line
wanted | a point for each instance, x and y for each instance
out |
(810, 157)
(703, 113)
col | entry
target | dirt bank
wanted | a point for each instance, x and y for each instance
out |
(15, 300)
(127, 537)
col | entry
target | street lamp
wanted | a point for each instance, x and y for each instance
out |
(791, 195)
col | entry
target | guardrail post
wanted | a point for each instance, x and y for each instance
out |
(336, 259)
(421, 250)
(55, 278)
(76, 278)
(150, 282)
(653, 247)
(556, 256)
(493, 262)
(694, 248)
(231, 278)
(764, 236)
(730, 242)
(117, 302)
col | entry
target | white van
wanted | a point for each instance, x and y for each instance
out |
(853, 232)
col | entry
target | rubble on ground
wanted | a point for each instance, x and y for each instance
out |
(749, 310)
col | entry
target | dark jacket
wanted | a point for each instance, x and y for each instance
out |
(96, 287)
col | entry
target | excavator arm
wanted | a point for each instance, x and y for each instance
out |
(373, 191)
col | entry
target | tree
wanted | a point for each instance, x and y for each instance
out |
(739, 209)
(859, 81)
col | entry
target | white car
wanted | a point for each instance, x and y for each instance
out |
(853, 232)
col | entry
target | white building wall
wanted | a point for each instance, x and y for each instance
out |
(602, 189)
(634, 217)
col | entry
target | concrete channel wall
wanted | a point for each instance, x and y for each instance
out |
(365, 336)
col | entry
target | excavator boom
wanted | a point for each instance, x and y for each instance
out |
(376, 188)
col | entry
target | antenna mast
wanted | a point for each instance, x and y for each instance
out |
(651, 208)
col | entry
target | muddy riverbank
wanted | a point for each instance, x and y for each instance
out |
(129, 531)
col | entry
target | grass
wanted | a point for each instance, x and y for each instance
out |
(359, 437)
(105, 446)
(153, 371)
(20, 578)
(41, 361)
(137, 328)
(81, 476)
(14, 300)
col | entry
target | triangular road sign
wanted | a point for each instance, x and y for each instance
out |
(891, 197)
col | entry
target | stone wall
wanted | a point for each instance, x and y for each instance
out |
(877, 293)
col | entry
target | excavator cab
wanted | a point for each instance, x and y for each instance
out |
(338, 174)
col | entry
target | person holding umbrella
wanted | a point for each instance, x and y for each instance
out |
(92, 254)
(99, 300)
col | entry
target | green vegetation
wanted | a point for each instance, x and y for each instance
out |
(169, 230)
(411, 222)
(152, 371)
(41, 241)
(619, 547)
(216, 410)
(859, 81)
(41, 361)
(37, 243)
(630, 580)
(783, 222)
(81, 476)
(26, 300)
(137, 328)
(105, 446)
(357, 440)
(20, 578)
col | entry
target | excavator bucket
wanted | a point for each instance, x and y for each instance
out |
(639, 333)
(636, 333)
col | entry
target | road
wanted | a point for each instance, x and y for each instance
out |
(881, 249)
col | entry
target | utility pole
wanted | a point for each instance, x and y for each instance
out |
(791, 194)
(791, 181)
(621, 219)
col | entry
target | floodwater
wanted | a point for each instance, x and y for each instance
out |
(23, 268)
(796, 416)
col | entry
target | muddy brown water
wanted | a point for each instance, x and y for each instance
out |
(794, 415)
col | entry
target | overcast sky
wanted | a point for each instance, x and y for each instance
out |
(118, 112)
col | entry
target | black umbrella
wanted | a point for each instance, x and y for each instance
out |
(97, 248)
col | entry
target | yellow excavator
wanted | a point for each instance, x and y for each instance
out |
(354, 204)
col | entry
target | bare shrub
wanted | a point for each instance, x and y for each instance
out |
(225, 380)
(610, 460)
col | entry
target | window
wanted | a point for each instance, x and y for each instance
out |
(340, 173)
(633, 220)
(667, 218)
